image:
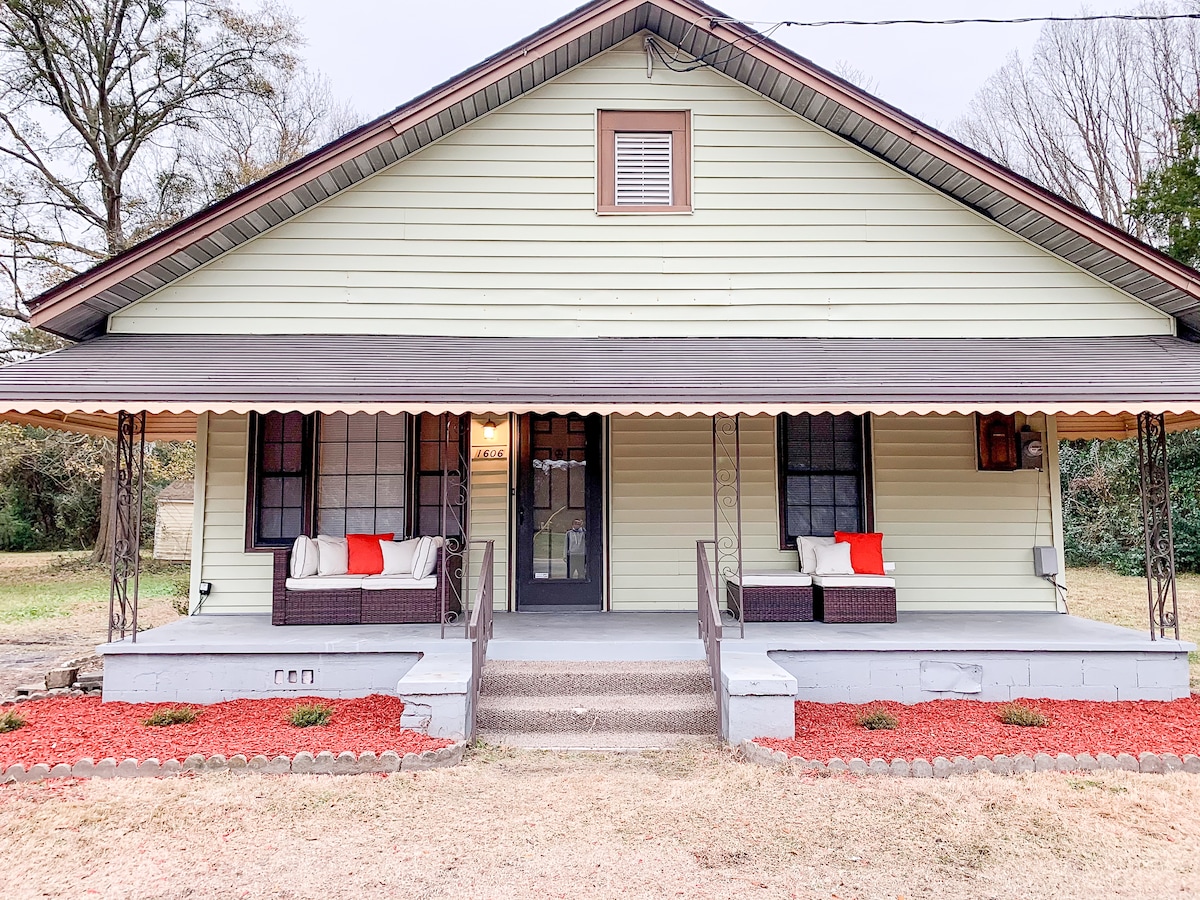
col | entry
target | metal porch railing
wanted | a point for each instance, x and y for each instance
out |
(708, 611)
(479, 628)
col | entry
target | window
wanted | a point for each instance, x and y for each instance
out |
(644, 161)
(281, 487)
(823, 486)
(361, 464)
(351, 474)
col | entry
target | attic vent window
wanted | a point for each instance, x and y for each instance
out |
(643, 168)
(643, 161)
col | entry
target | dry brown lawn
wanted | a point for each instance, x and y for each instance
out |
(695, 824)
(54, 607)
(1107, 597)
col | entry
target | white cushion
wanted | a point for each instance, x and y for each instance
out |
(833, 560)
(324, 583)
(303, 561)
(398, 583)
(333, 556)
(398, 556)
(889, 568)
(863, 581)
(425, 559)
(807, 546)
(773, 579)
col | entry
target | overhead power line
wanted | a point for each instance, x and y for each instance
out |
(1025, 20)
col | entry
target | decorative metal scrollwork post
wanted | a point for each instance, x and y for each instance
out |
(456, 493)
(727, 505)
(1156, 520)
(126, 525)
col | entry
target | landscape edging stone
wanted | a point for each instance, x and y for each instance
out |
(303, 763)
(1000, 764)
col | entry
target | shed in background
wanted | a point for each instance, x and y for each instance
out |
(173, 521)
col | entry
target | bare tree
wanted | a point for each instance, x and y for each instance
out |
(1093, 108)
(97, 98)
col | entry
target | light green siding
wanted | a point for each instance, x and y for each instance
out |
(961, 539)
(241, 581)
(489, 505)
(493, 231)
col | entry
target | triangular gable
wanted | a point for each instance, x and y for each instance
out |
(79, 308)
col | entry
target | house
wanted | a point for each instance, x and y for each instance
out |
(643, 280)
(173, 512)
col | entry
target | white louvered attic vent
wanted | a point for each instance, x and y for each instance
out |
(643, 168)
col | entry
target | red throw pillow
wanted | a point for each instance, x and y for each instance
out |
(866, 551)
(365, 554)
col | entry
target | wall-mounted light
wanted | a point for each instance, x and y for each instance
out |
(489, 430)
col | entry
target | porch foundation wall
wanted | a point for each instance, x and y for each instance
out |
(213, 677)
(912, 676)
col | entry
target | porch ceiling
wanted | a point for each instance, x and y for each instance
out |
(176, 377)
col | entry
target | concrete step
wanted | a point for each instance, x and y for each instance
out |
(548, 679)
(670, 713)
(603, 741)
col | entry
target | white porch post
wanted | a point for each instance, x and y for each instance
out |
(1156, 521)
(126, 525)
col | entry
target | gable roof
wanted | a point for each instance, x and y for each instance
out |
(79, 308)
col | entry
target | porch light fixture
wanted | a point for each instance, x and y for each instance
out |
(489, 430)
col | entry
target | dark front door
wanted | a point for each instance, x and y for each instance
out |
(559, 521)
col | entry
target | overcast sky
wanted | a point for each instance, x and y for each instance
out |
(380, 54)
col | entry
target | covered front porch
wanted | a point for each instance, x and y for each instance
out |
(626, 511)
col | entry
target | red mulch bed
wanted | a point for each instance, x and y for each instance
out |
(971, 728)
(67, 729)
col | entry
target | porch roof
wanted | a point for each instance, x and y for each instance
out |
(174, 377)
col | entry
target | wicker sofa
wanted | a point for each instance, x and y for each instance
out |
(771, 596)
(850, 597)
(355, 599)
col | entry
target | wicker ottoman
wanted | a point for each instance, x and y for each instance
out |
(854, 598)
(772, 596)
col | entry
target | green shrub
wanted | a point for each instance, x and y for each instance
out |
(877, 720)
(10, 721)
(1024, 716)
(308, 714)
(172, 715)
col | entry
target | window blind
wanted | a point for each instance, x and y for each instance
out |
(643, 176)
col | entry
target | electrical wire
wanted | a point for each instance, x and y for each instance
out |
(1024, 20)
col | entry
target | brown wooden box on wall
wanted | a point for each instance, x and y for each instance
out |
(996, 435)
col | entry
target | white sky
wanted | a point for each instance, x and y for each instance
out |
(380, 54)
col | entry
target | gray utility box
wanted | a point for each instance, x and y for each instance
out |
(1045, 562)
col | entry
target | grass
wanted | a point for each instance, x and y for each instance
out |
(173, 715)
(1023, 716)
(696, 824)
(306, 715)
(37, 586)
(1121, 600)
(877, 720)
(10, 721)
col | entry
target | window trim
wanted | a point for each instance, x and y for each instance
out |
(677, 122)
(255, 544)
(866, 474)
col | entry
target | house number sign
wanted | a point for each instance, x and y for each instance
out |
(491, 453)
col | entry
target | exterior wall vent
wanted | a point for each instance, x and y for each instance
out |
(643, 168)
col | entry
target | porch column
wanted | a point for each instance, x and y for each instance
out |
(456, 497)
(727, 504)
(126, 525)
(1156, 521)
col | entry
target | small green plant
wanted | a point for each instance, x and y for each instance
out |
(1024, 716)
(172, 715)
(877, 720)
(10, 721)
(308, 714)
